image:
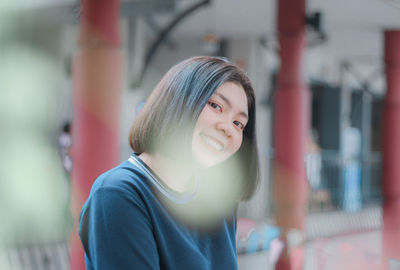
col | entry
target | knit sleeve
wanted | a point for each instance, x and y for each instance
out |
(116, 232)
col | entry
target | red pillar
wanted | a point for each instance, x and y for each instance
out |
(391, 151)
(97, 69)
(291, 127)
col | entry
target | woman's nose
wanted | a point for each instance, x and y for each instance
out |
(225, 127)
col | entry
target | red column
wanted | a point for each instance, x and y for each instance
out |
(291, 126)
(97, 69)
(391, 151)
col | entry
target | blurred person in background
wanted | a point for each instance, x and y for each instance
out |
(172, 205)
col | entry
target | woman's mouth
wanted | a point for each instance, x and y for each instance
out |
(213, 143)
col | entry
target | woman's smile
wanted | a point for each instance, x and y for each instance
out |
(212, 142)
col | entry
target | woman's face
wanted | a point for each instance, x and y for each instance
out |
(218, 133)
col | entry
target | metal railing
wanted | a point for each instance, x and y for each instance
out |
(35, 257)
(348, 184)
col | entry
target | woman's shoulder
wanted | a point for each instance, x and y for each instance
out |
(125, 177)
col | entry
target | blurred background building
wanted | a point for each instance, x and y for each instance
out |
(342, 66)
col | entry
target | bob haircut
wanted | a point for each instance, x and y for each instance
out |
(172, 109)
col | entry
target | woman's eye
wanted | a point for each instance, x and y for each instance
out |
(215, 106)
(239, 124)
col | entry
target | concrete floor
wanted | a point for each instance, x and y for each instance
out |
(358, 251)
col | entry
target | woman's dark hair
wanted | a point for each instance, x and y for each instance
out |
(171, 112)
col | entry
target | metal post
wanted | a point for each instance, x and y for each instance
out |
(391, 152)
(97, 69)
(366, 158)
(290, 132)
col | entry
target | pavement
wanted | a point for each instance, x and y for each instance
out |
(335, 241)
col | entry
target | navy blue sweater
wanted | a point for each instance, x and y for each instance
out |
(125, 224)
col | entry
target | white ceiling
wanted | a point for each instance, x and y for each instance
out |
(257, 17)
(357, 14)
(232, 18)
(353, 27)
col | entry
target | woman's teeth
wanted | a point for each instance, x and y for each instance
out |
(214, 144)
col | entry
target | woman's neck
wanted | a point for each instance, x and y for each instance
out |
(174, 174)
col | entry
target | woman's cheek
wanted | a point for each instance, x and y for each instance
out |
(237, 143)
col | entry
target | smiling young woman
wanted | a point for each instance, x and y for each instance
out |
(172, 204)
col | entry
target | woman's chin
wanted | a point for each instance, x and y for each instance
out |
(206, 162)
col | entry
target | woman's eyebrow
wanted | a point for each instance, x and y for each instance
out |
(227, 101)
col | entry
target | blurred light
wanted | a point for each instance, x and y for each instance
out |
(33, 195)
(29, 4)
(216, 198)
